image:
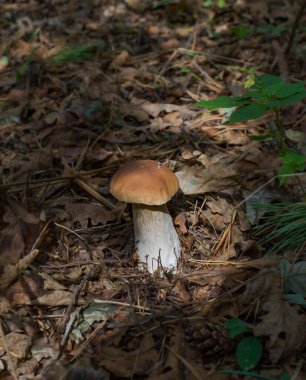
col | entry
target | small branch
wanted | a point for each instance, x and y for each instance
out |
(295, 25)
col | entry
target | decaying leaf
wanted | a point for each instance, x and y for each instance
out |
(85, 212)
(126, 364)
(154, 109)
(282, 323)
(41, 351)
(11, 271)
(21, 232)
(66, 126)
(285, 328)
(84, 318)
(57, 298)
(293, 276)
(219, 213)
(17, 344)
(81, 369)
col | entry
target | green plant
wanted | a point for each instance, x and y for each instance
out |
(77, 53)
(265, 93)
(249, 351)
(209, 3)
(241, 31)
(284, 226)
(292, 163)
(267, 29)
(24, 68)
(249, 348)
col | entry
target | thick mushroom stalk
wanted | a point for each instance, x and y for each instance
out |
(156, 239)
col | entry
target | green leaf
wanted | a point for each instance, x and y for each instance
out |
(241, 31)
(236, 327)
(261, 137)
(221, 102)
(221, 3)
(294, 159)
(283, 90)
(156, 85)
(162, 3)
(285, 376)
(266, 80)
(207, 3)
(283, 171)
(297, 299)
(248, 112)
(185, 70)
(248, 352)
(286, 101)
(269, 29)
(192, 53)
(262, 82)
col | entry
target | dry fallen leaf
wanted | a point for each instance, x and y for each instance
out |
(57, 298)
(121, 58)
(126, 364)
(11, 271)
(83, 212)
(219, 213)
(17, 344)
(81, 369)
(285, 328)
(4, 306)
(154, 109)
(283, 324)
(180, 220)
(197, 180)
(21, 232)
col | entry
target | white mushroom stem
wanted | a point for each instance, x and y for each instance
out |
(156, 239)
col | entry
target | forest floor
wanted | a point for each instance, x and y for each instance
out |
(86, 86)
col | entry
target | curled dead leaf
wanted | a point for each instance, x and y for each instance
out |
(121, 58)
(180, 220)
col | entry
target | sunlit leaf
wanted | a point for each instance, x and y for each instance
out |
(286, 101)
(221, 102)
(248, 112)
(283, 90)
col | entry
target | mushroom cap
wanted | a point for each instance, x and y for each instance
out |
(144, 181)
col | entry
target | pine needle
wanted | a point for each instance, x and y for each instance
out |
(284, 226)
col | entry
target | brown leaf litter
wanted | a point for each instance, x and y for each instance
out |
(85, 87)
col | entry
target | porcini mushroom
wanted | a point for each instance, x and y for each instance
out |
(148, 185)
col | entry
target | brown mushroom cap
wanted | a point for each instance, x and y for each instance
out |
(144, 181)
